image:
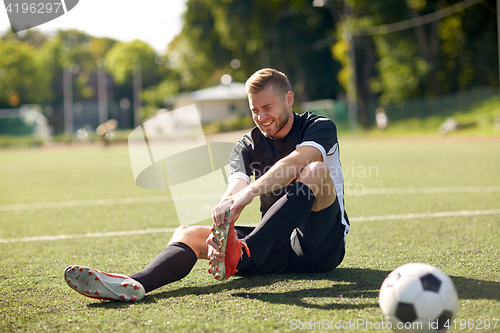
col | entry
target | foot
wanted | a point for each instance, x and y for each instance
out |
(104, 286)
(226, 238)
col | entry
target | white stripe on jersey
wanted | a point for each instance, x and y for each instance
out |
(239, 175)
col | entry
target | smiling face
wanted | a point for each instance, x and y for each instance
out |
(271, 113)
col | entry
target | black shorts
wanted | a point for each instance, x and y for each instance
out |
(317, 245)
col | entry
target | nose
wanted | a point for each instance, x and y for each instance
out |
(261, 117)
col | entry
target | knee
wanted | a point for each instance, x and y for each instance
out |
(194, 236)
(181, 232)
(313, 173)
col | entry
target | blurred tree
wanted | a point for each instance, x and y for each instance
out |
(196, 52)
(122, 57)
(475, 53)
(21, 80)
(158, 81)
(70, 49)
(50, 58)
(157, 97)
(33, 37)
(98, 47)
(431, 59)
(282, 34)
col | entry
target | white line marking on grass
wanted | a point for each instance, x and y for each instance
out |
(425, 215)
(88, 235)
(82, 203)
(463, 189)
(126, 201)
(153, 231)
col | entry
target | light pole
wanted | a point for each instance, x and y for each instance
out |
(137, 87)
(102, 91)
(68, 98)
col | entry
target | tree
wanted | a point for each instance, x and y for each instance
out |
(123, 57)
(280, 34)
(98, 47)
(67, 49)
(445, 55)
(33, 37)
(21, 80)
(157, 97)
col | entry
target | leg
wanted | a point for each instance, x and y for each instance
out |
(193, 236)
(175, 262)
(188, 244)
(317, 177)
(318, 244)
(313, 191)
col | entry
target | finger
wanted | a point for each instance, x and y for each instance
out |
(222, 217)
(216, 215)
(212, 241)
(217, 259)
(215, 256)
(209, 238)
(218, 218)
(232, 213)
(213, 214)
(216, 248)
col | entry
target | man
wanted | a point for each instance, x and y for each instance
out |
(295, 161)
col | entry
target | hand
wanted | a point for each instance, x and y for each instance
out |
(235, 203)
(213, 250)
(219, 211)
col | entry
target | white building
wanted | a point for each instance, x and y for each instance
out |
(216, 103)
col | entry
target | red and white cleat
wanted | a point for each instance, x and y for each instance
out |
(104, 286)
(224, 236)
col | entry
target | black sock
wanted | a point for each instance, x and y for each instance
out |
(172, 264)
(286, 214)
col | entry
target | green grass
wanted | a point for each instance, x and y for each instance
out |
(35, 298)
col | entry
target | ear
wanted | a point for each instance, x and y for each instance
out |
(289, 97)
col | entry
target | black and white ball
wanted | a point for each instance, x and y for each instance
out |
(418, 298)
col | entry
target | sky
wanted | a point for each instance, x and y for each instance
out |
(155, 22)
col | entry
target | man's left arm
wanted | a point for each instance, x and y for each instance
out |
(285, 170)
(280, 174)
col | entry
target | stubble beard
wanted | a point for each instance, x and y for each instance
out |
(281, 121)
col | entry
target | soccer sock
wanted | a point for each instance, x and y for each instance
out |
(172, 264)
(286, 214)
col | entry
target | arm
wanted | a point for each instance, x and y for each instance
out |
(234, 187)
(282, 173)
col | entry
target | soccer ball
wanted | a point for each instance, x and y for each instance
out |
(418, 298)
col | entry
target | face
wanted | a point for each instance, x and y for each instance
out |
(272, 115)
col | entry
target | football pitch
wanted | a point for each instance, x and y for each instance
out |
(434, 201)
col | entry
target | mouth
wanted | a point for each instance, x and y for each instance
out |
(267, 123)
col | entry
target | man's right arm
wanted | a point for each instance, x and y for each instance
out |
(234, 187)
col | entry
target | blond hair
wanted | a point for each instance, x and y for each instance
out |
(265, 77)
